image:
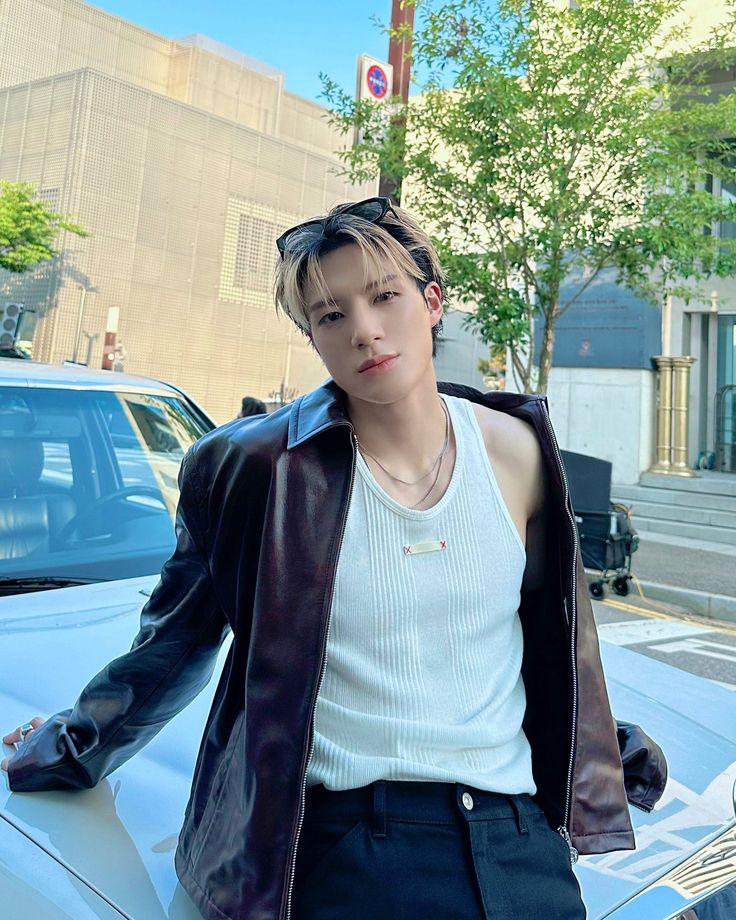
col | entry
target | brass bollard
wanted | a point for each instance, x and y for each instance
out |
(681, 385)
(663, 456)
(673, 378)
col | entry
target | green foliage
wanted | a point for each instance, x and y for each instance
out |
(568, 142)
(28, 227)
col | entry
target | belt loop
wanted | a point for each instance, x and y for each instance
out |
(378, 818)
(520, 816)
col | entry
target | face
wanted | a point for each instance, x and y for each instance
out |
(368, 320)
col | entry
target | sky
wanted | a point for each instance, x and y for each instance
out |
(298, 38)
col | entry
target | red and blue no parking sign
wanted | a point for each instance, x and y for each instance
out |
(377, 81)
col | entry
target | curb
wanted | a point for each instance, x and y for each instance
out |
(714, 606)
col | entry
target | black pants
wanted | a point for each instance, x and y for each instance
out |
(418, 850)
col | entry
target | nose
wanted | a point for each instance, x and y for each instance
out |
(367, 328)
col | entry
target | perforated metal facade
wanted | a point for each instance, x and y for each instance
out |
(184, 164)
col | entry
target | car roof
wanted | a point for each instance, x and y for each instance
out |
(17, 372)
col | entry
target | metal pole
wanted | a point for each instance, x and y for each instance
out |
(667, 325)
(399, 52)
(80, 318)
(91, 339)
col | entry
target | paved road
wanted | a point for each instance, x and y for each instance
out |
(685, 567)
(693, 644)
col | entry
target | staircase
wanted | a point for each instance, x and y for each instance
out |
(702, 508)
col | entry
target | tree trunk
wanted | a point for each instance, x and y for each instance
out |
(546, 351)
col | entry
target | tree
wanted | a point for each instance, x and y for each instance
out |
(28, 227)
(553, 140)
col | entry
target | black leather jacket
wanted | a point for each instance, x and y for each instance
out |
(259, 528)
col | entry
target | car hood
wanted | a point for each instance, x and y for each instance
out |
(120, 836)
(693, 720)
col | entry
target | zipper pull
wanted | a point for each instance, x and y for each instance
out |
(564, 833)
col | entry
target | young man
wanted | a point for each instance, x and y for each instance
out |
(412, 721)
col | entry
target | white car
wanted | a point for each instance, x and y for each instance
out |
(108, 852)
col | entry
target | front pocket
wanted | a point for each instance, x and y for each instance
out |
(209, 817)
(320, 844)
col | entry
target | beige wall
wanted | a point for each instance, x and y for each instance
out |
(183, 200)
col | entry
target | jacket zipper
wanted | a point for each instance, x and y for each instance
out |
(323, 668)
(563, 829)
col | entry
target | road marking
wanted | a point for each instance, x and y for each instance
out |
(631, 632)
(700, 647)
(709, 625)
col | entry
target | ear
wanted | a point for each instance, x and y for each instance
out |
(433, 299)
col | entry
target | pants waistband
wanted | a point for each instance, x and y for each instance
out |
(418, 802)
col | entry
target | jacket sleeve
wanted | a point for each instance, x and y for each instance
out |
(644, 763)
(131, 699)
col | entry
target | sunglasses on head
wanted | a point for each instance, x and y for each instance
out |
(370, 209)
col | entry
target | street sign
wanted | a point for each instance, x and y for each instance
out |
(375, 79)
(375, 83)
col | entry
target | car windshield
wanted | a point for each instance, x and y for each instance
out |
(88, 481)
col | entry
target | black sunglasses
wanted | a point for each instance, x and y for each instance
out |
(370, 209)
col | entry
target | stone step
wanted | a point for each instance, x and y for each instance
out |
(707, 532)
(683, 513)
(705, 482)
(634, 495)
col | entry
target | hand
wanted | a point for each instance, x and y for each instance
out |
(14, 737)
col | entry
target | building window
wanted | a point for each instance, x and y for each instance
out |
(254, 252)
(249, 252)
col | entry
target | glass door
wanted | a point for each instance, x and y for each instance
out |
(725, 407)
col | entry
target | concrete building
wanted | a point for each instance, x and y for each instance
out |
(184, 160)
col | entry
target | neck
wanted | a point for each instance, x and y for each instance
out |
(406, 435)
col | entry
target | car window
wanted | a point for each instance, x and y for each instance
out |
(88, 480)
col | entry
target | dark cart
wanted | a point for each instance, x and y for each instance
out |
(607, 536)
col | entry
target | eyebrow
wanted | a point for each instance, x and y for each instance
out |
(330, 303)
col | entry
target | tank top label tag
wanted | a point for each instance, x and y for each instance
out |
(433, 546)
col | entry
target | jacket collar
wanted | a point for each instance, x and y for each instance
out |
(324, 407)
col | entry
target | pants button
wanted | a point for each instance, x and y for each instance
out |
(468, 801)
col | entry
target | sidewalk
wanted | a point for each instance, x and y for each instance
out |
(694, 574)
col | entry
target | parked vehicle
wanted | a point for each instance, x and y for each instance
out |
(108, 852)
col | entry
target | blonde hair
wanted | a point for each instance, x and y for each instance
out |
(396, 244)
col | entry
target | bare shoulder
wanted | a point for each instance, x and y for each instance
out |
(514, 451)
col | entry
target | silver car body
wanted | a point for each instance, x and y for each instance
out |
(119, 837)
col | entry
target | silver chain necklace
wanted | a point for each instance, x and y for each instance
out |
(439, 460)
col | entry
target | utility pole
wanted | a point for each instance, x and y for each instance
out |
(399, 54)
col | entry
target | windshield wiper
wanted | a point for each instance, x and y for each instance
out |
(46, 581)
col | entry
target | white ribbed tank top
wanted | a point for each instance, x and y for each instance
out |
(423, 676)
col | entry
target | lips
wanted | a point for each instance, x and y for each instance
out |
(375, 362)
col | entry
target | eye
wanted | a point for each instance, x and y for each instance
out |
(386, 295)
(326, 321)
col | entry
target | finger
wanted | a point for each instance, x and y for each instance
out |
(14, 736)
